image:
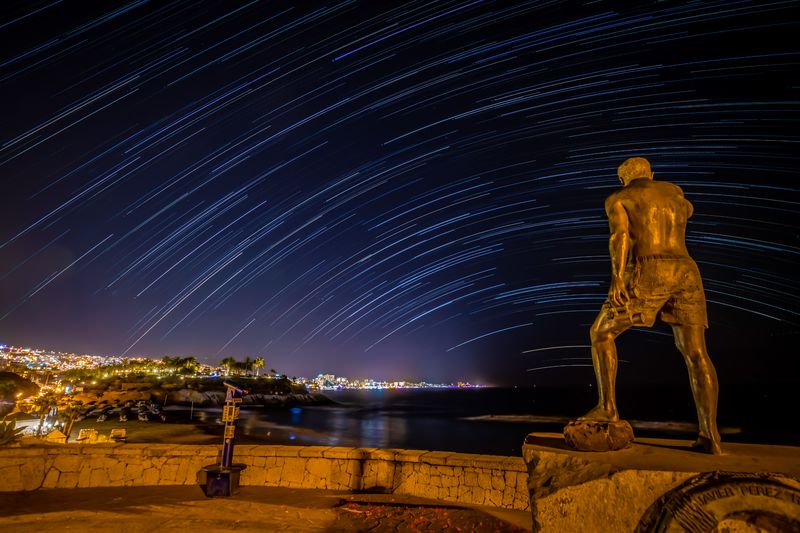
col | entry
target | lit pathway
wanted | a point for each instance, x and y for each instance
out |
(184, 508)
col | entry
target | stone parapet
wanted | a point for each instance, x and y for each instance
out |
(496, 481)
(661, 485)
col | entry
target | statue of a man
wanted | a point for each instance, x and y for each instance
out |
(653, 275)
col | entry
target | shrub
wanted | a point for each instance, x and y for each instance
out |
(9, 432)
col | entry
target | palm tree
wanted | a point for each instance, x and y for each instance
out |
(189, 365)
(258, 364)
(229, 363)
(247, 365)
(42, 405)
(68, 415)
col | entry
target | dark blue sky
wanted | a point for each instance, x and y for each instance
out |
(404, 189)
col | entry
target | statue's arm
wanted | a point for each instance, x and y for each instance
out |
(618, 246)
(686, 203)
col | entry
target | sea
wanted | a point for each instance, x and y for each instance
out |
(496, 420)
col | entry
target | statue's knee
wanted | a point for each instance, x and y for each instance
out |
(600, 335)
(696, 357)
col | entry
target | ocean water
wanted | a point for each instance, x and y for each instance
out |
(496, 420)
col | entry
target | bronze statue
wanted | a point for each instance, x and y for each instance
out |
(652, 274)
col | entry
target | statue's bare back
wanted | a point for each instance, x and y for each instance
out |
(657, 214)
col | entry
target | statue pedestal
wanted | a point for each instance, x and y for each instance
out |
(591, 436)
(661, 485)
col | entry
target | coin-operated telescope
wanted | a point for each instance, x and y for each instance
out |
(223, 479)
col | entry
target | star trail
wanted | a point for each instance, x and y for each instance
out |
(391, 189)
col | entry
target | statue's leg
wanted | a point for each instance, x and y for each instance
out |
(691, 341)
(605, 329)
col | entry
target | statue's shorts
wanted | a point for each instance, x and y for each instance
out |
(666, 286)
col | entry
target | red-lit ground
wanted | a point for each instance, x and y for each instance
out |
(184, 508)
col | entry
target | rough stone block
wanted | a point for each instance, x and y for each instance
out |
(263, 450)
(369, 481)
(498, 482)
(168, 473)
(12, 478)
(311, 451)
(149, 477)
(50, 480)
(410, 456)
(183, 471)
(116, 472)
(85, 475)
(99, 478)
(436, 458)
(493, 498)
(67, 463)
(591, 436)
(470, 478)
(319, 468)
(508, 498)
(31, 473)
(293, 470)
(67, 480)
(273, 475)
(337, 453)
(461, 459)
(514, 464)
(444, 470)
(287, 451)
(255, 476)
(383, 455)
(132, 472)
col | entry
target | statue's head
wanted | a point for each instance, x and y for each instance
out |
(634, 168)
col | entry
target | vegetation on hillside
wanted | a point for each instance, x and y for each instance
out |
(13, 386)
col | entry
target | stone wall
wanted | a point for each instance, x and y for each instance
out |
(465, 478)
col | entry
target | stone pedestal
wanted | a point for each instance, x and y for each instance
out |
(590, 436)
(662, 485)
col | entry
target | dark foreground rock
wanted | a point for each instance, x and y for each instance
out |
(590, 436)
(201, 394)
(217, 398)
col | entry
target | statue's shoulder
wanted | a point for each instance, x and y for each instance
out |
(671, 186)
(616, 196)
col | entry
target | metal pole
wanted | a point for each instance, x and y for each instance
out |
(230, 414)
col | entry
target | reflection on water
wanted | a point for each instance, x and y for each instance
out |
(333, 426)
(493, 421)
(427, 420)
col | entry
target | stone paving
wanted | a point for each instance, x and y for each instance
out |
(184, 508)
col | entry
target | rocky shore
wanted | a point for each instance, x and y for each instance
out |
(200, 392)
(217, 398)
(209, 398)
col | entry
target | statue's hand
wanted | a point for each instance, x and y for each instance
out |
(618, 294)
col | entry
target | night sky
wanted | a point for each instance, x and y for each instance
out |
(391, 189)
